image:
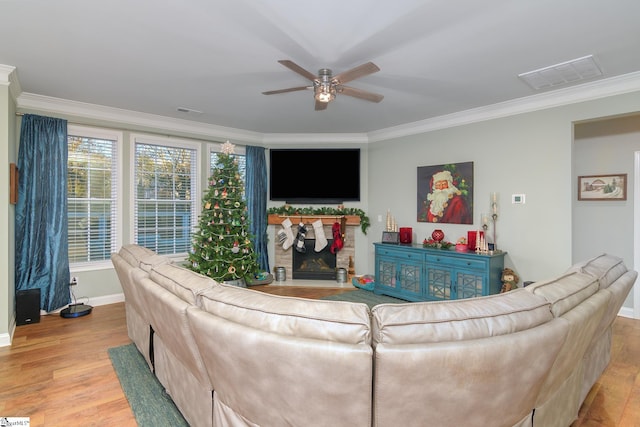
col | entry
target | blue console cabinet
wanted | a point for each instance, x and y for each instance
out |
(414, 273)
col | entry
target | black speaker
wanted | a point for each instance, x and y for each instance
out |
(27, 306)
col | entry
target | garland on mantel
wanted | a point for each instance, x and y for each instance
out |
(293, 211)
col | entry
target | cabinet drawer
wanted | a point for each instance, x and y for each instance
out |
(399, 254)
(476, 264)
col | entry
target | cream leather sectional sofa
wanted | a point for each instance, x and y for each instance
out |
(231, 356)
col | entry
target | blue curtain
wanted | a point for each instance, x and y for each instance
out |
(256, 192)
(42, 259)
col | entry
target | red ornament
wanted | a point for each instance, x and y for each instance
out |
(437, 235)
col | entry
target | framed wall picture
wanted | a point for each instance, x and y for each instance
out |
(602, 187)
(445, 193)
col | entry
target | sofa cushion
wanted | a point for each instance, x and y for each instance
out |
(439, 321)
(184, 283)
(149, 262)
(337, 321)
(133, 253)
(565, 292)
(606, 268)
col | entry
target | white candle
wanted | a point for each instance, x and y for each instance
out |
(494, 203)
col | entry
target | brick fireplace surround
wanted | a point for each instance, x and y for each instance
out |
(285, 258)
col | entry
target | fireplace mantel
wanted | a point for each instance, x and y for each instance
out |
(276, 219)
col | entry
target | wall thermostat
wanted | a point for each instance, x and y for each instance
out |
(517, 199)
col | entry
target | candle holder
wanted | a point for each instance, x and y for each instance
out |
(481, 245)
(484, 220)
(494, 218)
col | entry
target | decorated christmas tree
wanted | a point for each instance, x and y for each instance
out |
(222, 248)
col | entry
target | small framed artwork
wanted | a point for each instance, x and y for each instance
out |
(602, 187)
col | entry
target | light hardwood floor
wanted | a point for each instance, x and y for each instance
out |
(58, 372)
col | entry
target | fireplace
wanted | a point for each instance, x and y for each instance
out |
(314, 265)
(284, 257)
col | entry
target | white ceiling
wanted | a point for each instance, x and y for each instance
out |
(436, 57)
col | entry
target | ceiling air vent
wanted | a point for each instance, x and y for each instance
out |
(188, 110)
(565, 73)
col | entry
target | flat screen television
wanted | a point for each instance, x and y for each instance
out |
(315, 176)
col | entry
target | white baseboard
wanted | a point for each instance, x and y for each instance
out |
(5, 339)
(107, 299)
(95, 301)
(626, 312)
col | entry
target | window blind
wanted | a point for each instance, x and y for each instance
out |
(164, 207)
(92, 181)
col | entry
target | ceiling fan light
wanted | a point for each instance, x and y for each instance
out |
(325, 92)
(323, 96)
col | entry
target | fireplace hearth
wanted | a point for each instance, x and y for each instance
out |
(314, 265)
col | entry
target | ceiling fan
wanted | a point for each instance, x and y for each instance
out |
(326, 86)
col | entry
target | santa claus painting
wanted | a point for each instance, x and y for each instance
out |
(445, 193)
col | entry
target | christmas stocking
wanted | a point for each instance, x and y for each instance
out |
(285, 236)
(337, 238)
(299, 242)
(321, 239)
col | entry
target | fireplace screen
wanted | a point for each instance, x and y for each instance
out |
(314, 265)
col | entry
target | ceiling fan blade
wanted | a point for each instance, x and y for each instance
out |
(354, 73)
(359, 93)
(298, 69)
(291, 89)
(321, 105)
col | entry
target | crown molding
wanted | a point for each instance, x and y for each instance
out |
(585, 92)
(9, 77)
(5, 73)
(30, 101)
(315, 138)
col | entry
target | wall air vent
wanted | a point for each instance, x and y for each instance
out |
(565, 73)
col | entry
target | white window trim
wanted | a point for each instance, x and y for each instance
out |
(167, 142)
(114, 135)
(216, 147)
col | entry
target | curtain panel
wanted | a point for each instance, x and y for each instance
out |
(42, 259)
(256, 193)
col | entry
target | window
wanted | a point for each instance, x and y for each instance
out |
(165, 195)
(239, 154)
(92, 194)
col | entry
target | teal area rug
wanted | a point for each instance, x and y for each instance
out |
(149, 402)
(367, 297)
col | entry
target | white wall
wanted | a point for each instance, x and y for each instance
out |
(527, 153)
(605, 147)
